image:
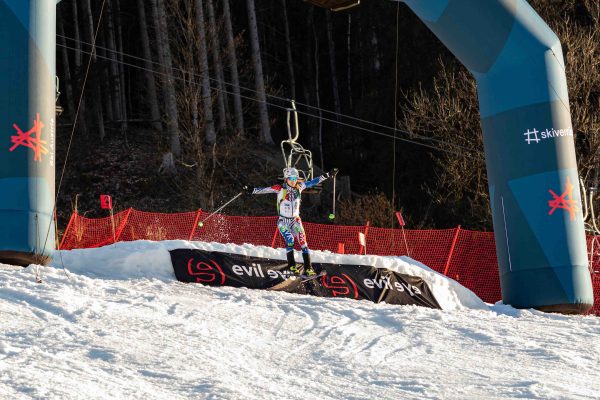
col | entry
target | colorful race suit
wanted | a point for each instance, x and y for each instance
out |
(288, 207)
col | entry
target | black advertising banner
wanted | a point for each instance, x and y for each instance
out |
(347, 281)
(225, 269)
(375, 284)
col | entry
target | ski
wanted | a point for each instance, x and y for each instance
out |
(306, 278)
(295, 280)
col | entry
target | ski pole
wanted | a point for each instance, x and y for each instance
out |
(201, 223)
(332, 215)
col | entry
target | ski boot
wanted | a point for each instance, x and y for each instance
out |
(309, 270)
(296, 269)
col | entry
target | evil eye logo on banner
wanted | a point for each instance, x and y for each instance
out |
(205, 272)
(340, 286)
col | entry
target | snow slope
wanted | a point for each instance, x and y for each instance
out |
(119, 326)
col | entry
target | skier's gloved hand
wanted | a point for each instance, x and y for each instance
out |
(331, 173)
(247, 189)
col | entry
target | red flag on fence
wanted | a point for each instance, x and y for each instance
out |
(106, 202)
(400, 219)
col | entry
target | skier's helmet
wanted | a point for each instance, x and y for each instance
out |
(290, 173)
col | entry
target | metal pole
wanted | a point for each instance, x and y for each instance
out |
(201, 223)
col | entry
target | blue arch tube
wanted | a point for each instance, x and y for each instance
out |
(517, 62)
(27, 129)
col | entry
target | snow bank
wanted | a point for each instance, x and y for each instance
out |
(120, 327)
(145, 259)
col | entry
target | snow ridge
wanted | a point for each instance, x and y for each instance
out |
(118, 325)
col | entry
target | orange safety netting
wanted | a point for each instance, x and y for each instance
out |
(468, 257)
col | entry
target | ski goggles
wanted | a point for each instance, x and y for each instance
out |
(293, 178)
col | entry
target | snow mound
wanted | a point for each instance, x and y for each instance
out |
(151, 260)
(119, 326)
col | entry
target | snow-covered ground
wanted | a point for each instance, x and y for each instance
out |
(119, 326)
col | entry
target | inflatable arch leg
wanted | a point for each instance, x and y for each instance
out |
(530, 154)
(27, 127)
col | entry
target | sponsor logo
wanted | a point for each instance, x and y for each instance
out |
(256, 270)
(205, 272)
(564, 201)
(385, 283)
(534, 136)
(31, 139)
(220, 269)
(340, 285)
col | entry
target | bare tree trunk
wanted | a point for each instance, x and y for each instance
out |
(375, 44)
(216, 55)
(150, 82)
(115, 81)
(88, 21)
(124, 95)
(235, 81)
(194, 99)
(172, 119)
(318, 98)
(332, 63)
(288, 46)
(97, 106)
(265, 129)
(307, 73)
(77, 37)
(361, 63)
(106, 95)
(67, 81)
(349, 60)
(209, 124)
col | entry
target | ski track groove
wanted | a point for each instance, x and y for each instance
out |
(89, 338)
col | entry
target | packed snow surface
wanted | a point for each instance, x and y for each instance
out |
(113, 323)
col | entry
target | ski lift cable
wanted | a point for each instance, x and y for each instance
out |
(460, 149)
(283, 99)
(75, 119)
(457, 152)
(392, 128)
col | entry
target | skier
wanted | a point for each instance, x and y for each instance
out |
(288, 207)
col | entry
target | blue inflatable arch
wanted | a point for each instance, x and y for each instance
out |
(528, 137)
(517, 62)
(27, 128)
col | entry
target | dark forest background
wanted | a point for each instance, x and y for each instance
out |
(184, 102)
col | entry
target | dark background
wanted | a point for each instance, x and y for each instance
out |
(400, 75)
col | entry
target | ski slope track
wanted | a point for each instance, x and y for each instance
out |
(114, 323)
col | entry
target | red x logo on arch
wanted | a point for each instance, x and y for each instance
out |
(564, 201)
(31, 139)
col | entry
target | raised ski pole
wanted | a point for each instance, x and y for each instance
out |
(201, 223)
(332, 215)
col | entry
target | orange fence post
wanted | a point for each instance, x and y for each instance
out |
(402, 223)
(122, 227)
(451, 251)
(67, 230)
(195, 225)
(341, 248)
(274, 237)
(112, 222)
